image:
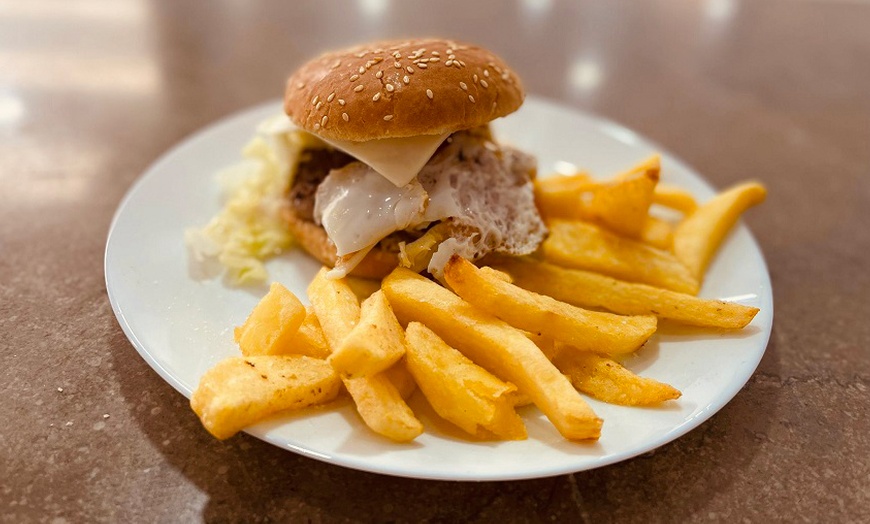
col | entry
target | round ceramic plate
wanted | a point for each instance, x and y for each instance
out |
(183, 325)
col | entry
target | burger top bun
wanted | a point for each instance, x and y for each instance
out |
(404, 88)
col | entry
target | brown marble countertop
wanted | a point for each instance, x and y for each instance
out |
(91, 92)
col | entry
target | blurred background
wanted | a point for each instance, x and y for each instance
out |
(92, 91)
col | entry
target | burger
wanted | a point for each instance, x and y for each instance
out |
(401, 167)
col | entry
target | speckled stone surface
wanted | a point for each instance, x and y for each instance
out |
(92, 92)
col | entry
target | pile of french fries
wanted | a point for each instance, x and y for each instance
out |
(545, 329)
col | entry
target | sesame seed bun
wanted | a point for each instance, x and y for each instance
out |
(376, 265)
(394, 89)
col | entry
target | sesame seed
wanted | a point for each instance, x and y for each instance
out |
(469, 97)
(345, 117)
(376, 97)
(315, 99)
(354, 78)
(474, 78)
(406, 79)
(410, 69)
(341, 101)
(435, 59)
(486, 73)
(300, 85)
(390, 88)
(397, 65)
(358, 88)
(484, 83)
(378, 59)
(462, 63)
(336, 64)
(429, 94)
(421, 65)
(379, 74)
(397, 55)
(436, 53)
(317, 126)
(463, 86)
(388, 118)
(330, 97)
(448, 63)
(361, 69)
(324, 120)
(317, 107)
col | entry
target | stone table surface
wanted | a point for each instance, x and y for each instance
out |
(91, 92)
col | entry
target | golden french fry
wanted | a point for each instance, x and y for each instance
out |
(622, 205)
(309, 340)
(241, 391)
(377, 400)
(459, 390)
(272, 324)
(657, 233)
(587, 289)
(699, 235)
(586, 246)
(374, 344)
(494, 345)
(336, 306)
(588, 330)
(675, 198)
(607, 380)
(399, 375)
(491, 272)
(362, 287)
(382, 408)
(560, 196)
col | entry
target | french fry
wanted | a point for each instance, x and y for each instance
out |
(585, 246)
(272, 324)
(241, 391)
(399, 375)
(309, 340)
(494, 345)
(362, 287)
(374, 344)
(699, 235)
(588, 330)
(336, 306)
(382, 408)
(561, 196)
(459, 390)
(607, 380)
(587, 289)
(675, 198)
(622, 205)
(657, 233)
(378, 401)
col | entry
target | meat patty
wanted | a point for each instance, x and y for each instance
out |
(313, 167)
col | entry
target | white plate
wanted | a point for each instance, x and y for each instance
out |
(182, 326)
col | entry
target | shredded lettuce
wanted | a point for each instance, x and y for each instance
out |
(249, 228)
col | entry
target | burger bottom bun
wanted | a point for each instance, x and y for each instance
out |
(376, 265)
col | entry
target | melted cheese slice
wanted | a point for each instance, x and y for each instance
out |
(396, 159)
(358, 207)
